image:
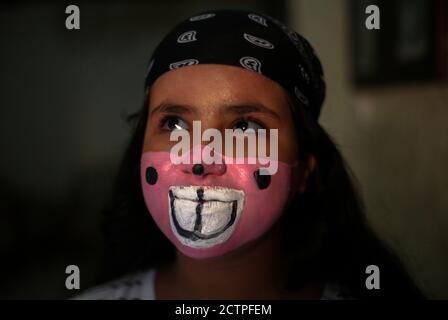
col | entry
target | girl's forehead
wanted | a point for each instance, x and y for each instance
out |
(214, 85)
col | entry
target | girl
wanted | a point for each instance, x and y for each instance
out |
(202, 230)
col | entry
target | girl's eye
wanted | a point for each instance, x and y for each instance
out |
(172, 123)
(246, 125)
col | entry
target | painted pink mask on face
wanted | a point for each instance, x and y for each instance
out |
(210, 209)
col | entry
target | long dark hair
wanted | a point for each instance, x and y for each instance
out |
(325, 232)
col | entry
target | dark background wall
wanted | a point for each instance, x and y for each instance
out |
(393, 134)
(64, 98)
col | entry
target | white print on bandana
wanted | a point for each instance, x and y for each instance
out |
(301, 96)
(256, 145)
(188, 36)
(251, 63)
(304, 74)
(258, 41)
(183, 63)
(202, 17)
(258, 19)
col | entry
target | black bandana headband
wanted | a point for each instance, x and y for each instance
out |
(249, 40)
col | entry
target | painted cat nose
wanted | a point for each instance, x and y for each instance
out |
(198, 169)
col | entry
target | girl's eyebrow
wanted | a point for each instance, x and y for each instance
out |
(250, 108)
(173, 108)
(239, 109)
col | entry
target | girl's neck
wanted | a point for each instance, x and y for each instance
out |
(255, 271)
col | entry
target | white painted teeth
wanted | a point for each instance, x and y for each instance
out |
(210, 193)
(204, 220)
(215, 216)
(221, 194)
(189, 193)
(185, 211)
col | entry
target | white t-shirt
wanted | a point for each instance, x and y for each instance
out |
(136, 286)
(140, 286)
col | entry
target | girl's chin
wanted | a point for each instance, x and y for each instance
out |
(224, 251)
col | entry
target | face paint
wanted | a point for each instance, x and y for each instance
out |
(210, 209)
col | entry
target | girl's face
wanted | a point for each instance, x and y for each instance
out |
(213, 209)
